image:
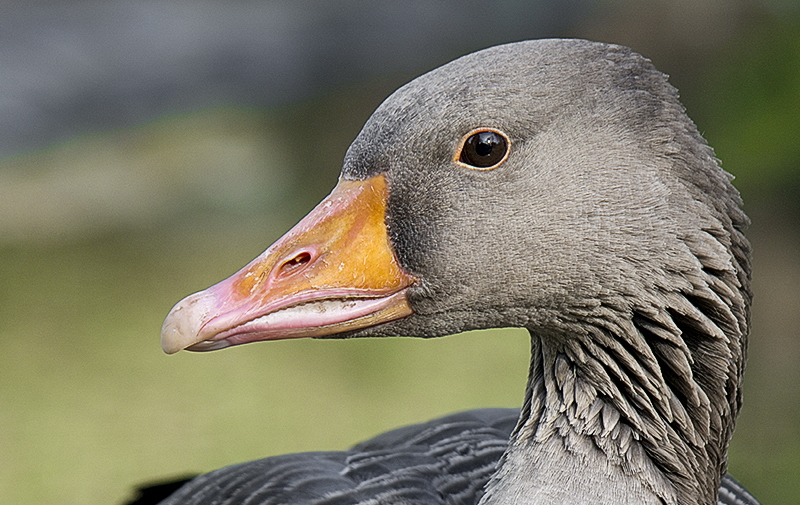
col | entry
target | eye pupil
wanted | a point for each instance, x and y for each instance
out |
(484, 149)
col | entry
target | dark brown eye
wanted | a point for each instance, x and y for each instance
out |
(484, 149)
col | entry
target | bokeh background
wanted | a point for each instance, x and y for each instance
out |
(148, 149)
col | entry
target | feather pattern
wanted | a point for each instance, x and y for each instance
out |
(444, 461)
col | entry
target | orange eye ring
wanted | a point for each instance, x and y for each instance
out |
(483, 149)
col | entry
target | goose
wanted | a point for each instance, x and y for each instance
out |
(555, 185)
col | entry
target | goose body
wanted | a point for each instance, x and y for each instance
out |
(553, 185)
(445, 461)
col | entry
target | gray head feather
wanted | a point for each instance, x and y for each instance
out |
(610, 232)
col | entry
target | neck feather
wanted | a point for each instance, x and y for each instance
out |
(633, 397)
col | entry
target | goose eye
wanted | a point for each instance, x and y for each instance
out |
(483, 149)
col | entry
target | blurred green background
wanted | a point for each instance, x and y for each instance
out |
(137, 169)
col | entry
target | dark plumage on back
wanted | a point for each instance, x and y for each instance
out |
(554, 185)
(443, 461)
(446, 461)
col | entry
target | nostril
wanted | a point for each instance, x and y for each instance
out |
(295, 263)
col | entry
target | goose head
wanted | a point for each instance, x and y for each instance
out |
(553, 185)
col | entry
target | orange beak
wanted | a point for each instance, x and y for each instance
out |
(334, 271)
